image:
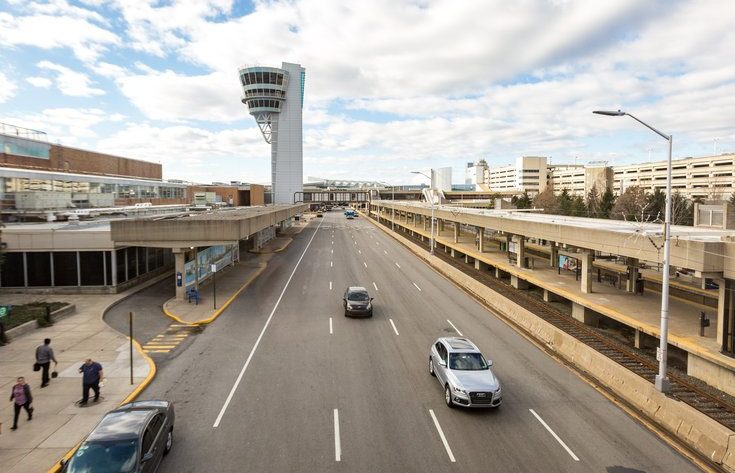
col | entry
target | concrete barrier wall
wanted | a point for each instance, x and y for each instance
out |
(699, 432)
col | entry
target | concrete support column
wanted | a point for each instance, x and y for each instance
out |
(585, 315)
(520, 242)
(441, 224)
(553, 254)
(456, 232)
(550, 296)
(452, 252)
(586, 258)
(724, 308)
(480, 265)
(468, 259)
(632, 274)
(517, 282)
(643, 340)
(426, 221)
(180, 268)
(498, 272)
(480, 239)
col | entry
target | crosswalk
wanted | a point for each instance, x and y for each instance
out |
(169, 339)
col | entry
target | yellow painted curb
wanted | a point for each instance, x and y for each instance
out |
(131, 397)
(224, 306)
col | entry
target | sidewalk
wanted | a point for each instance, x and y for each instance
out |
(58, 424)
(230, 282)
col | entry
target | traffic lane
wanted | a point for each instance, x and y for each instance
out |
(531, 378)
(147, 307)
(202, 376)
(591, 426)
(323, 378)
(398, 296)
(279, 418)
(476, 438)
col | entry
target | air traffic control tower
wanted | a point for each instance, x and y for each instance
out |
(275, 97)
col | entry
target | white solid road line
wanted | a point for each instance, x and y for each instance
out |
(331, 264)
(364, 264)
(330, 285)
(337, 443)
(262, 332)
(360, 252)
(330, 326)
(399, 266)
(331, 251)
(417, 287)
(385, 252)
(375, 286)
(441, 435)
(450, 323)
(394, 326)
(561, 442)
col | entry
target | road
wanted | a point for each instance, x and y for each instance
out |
(283, 382)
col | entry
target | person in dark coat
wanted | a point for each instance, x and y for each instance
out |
(21, 395)
(44, 357)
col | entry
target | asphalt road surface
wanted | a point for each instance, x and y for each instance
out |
(283, 382)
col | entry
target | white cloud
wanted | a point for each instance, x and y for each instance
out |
(7, 88)
(70, 82)
(173, 97)
(42, 82)
(68, 125)
(87, 40)
(195, 153)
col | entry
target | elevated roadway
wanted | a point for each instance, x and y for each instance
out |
(283, 382)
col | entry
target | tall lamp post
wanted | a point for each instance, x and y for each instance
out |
(432, 243)
(662, 381)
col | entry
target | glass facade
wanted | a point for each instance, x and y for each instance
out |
(10, 185)
(80, 268)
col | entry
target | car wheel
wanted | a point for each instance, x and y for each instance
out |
(347, 314)
(448, 396)
(431, 368)
(169, 441)
(371, 314)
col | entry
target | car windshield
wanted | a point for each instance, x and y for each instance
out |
(117, 456)
(467, 361)
(357, 296)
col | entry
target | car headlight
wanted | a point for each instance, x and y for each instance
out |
(459, 390)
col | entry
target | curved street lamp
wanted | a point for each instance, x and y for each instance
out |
(662, 381)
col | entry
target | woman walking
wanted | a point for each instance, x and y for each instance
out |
(21, 394)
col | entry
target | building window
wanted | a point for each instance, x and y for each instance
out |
(65, 268)
(39, 268)
(11, 272)
(92, 268)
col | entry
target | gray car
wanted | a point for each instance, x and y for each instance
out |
(131, 439)
(464, 373)
(357, 301)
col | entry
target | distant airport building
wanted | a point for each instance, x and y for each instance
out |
(275, 98)
(528, 174)
(441, 179)
(475, 174)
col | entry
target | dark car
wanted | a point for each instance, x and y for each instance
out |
(357, 301)
(131, 439)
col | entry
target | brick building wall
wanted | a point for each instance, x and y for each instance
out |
(73, 160)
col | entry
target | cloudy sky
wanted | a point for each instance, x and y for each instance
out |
(391, 85)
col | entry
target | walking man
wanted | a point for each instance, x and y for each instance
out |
(21, 394)
(44, 357)
(92, 375)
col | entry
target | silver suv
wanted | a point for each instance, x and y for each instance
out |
(464, 373)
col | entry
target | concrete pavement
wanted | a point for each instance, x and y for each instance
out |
(58, 424)
(230, 282)
(284, 382)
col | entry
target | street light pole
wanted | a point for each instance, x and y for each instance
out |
(432, 243)
(662, 381)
